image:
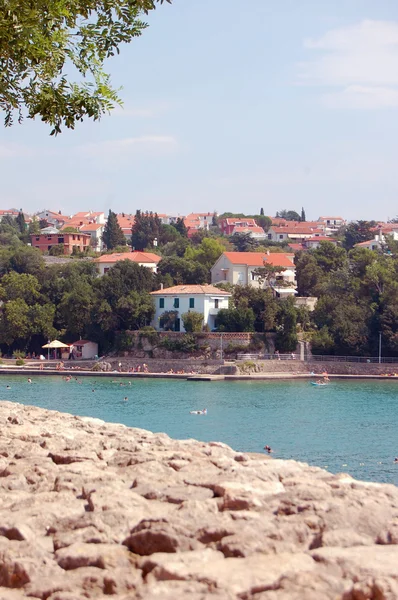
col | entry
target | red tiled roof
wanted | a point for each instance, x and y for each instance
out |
(91, 227)
(137, 257)
(256, 259)
(368, 242)
(178, 290)
(243, 228)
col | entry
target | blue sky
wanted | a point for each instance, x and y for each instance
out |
(232, 106)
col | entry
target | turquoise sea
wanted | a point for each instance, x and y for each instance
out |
(348, 426)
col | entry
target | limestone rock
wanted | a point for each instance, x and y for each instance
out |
(92, 510)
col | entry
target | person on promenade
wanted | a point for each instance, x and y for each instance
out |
(71, 354)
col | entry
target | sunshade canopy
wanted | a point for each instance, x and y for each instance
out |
(55, 344)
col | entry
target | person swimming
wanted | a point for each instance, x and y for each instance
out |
(396, 459)
(125, 398)
(29, 380)
(268, 449)
(8, 387)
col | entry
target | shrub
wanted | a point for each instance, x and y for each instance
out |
(19, 354)
(19, 362)
(149, 333)
(124, 341)
(193, 321)
(183, 343)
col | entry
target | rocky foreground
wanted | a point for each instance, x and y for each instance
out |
(89, 509)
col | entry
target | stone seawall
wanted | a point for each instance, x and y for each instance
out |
(92, 510)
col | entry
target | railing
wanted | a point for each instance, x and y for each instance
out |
(356, 359)
(247, 356)
(330, 358)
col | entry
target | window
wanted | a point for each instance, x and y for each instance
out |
(192, 303)
(37, 238)
(270, 236)
(60, 240)
(281, 236)
(176, 303)
(49, 237)
(216, 301)
(161, 302)
(49, 247)
(106, 269)
(74, 237)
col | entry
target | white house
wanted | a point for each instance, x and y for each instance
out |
(331, 224)
(378, 243)
(143, 259)
(239, 268)
(85, 349)
(205, 299)
(95, 230)
(293, 233)
(311, 243)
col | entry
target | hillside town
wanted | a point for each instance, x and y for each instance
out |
(203, 272)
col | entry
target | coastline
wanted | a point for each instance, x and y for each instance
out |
(191, 377)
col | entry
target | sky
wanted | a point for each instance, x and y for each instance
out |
(231, 106)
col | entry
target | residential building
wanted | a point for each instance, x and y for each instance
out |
(313, 242)
(331, 224)
(85, 350)
(228, 224)
(56, 219)
(95, 230)
(293, 233)
(168, 219)
(143, 259)
(378, 243)
(239, 268)
(205, 299)
(50, 236)
(11, 212)
(90, 217)
(195, 221)
(256, 233)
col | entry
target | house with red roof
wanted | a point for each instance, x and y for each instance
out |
(95, 230)
(240, 268)
(143, 259)
(332, 224)
(294, 232)
(180, 299)
(313, 242)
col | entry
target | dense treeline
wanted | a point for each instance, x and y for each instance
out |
(356, 289)
(357, 298)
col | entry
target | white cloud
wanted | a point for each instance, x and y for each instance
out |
(145, 143)
(361, 61)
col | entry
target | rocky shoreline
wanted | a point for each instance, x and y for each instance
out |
(91, 509)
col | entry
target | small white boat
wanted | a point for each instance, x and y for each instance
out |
(318, 383)
(198, 412)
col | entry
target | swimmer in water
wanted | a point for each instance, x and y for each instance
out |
(29, 380)
(268, 449)
(396, 459)
(8, 387)
(125, 398)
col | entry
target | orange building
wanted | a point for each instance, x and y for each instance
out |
(52, 237)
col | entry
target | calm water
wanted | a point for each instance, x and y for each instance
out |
(349, 426)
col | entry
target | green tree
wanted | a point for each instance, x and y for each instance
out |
(113, 235)
(183, 270)
(302, 218)
(14, 286)
(145, 230)
(181, 227)
(286, 331)
(74, 310)
(235, 319)
(34, 226)
(20, 221)
(289, 215)
(356, 232)
(261, 211)
(135, 310)
(206, 253)
(243, 242)
(39, 43)
(193, 321)
(309, 274)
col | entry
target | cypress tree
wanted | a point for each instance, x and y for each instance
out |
(113, 235)
(302, 214)
(20, 219)
(262, 212)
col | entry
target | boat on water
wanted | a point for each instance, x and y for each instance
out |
(319, 383)
(198, 412)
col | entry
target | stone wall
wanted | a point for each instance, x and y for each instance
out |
(93, 510)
